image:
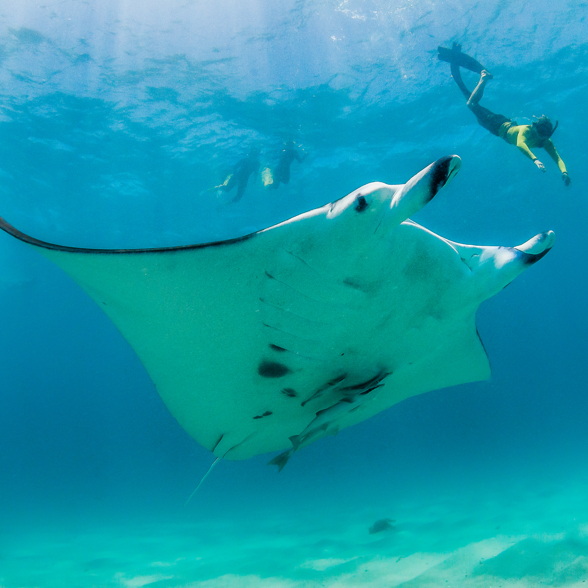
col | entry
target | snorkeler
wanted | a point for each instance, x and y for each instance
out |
(524, 137)
(240, 176)
(281, 173)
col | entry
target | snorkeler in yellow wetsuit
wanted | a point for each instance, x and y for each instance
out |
(536, 135)
(524, 137)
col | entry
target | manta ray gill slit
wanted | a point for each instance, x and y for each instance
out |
(276, 348)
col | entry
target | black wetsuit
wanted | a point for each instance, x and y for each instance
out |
(281, 173)
(486, 118)
(241, 172)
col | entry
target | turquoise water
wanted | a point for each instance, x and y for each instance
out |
(116, 119)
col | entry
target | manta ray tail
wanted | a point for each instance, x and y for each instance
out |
(202, 480)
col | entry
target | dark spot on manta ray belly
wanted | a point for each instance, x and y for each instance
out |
(290, 392)
(260, 416)
(361, 203)
(272, 369)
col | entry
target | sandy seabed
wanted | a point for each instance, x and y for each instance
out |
(520, 540)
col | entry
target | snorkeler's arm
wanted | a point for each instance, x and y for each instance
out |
(522, 144)
(550, 148)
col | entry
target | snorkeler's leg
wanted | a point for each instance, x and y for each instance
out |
(456, 74)
(240, 191)
(282, 172)
(478, 92)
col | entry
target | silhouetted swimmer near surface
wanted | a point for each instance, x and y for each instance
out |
(525, 137)
(272, 178)
(240, 175)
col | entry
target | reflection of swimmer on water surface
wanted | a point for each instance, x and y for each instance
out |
(240, 175)
(280, 174)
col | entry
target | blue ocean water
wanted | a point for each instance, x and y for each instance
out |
(116, 119)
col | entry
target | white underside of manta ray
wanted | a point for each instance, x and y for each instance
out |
(273, 340)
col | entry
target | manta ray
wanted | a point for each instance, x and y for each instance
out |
(275, 339)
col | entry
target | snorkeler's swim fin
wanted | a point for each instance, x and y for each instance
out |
(454, 55)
